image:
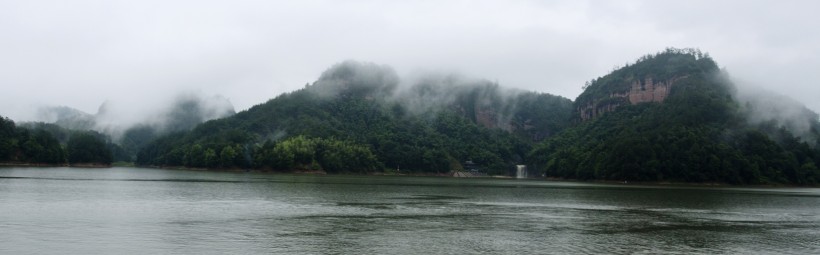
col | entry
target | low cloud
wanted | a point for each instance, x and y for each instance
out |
(114, 118)
(80, 54)
(765, 107)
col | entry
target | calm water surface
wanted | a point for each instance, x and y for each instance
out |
(150, 211)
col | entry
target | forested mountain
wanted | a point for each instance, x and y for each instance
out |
(670, 116)
(357, 116)
(674, 116)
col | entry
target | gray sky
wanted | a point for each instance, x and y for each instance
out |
(81, 53)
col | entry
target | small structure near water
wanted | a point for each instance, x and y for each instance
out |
(470, 170)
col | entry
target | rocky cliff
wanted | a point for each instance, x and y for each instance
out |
(640, 91)
(651, 78)
(675, 117)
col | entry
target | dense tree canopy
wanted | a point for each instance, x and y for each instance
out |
(28, 146)
(40, 143)
(351, 114)
(697, 135)
(365, 132)
(349, 122)
(356, 119)
(88, 147)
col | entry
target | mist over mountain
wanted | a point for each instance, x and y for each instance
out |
(424, 95)
(126, 128)
(486, 103)
(66, 117)
(670, 116)
(429, 125)
(352, 79)
(189, 110)
(771, 111)
(183, 113)
(674, 116)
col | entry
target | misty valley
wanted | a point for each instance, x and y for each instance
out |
(665, 153)
(673, 116)
(409, 127)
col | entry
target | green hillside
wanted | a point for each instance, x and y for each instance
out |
(356, 118)
(670, 116)
(698, 132)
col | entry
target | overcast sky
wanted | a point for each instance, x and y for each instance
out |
(81, 53)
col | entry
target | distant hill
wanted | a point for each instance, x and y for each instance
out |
(40, 144)
(66, 117)
(674, 116)
(670, 116)
(432, 125)
(127, 137)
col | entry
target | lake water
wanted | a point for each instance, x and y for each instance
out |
(151, 211)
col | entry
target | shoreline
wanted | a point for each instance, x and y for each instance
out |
(22, 164)
(450, 175)
(681, 184)
(410, 174)
(81, 165)
(233, 170)
(90, 165)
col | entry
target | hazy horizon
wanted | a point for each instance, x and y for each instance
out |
(81, 54)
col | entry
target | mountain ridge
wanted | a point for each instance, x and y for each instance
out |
(669, 116)
(699, 132)
(406, 129)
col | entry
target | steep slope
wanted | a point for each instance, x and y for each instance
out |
(673, 116)
(357, 108)
(650, 79)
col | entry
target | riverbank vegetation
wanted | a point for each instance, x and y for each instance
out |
(673, 116)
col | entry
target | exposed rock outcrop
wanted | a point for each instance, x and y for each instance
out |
(649, 91)
(641, 91)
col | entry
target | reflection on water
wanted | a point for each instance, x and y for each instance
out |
(133, 210)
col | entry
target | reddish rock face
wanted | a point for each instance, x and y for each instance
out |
(641, 91)
(648, 91)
